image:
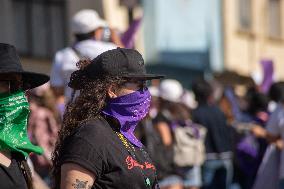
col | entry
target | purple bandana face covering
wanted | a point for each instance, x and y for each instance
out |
(129, 110)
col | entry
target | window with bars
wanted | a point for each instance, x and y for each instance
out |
(274, 18)
(39, 27)
(245, 14)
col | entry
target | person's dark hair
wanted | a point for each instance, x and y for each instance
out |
(257, 101)
(84, 36)
(178, 110)
(276, 92)
(202, 91)
(86, 106)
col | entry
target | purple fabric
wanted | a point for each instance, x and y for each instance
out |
(129, 110)
(247, 152)
(249, 146)
(128, 37)
(268, 70)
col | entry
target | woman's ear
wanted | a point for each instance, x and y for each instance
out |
(112, 92)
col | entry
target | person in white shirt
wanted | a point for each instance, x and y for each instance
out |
(93, 37)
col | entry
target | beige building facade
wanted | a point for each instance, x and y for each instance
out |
(253, 31)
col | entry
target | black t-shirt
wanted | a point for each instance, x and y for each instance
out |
(12, 177)
(162, 156)
(96, 147)
(218, 137)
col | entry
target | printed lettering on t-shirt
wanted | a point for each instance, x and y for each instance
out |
(132, 163)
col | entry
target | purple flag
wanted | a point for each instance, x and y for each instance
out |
(268, 70)
(128, 36)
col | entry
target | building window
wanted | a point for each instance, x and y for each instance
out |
(274, 18)
(245, 14)
(39, 27)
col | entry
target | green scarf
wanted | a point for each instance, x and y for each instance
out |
(14, 111)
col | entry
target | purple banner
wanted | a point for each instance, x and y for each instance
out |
(129, 35)
(268, 71)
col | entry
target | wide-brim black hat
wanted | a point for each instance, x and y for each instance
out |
(120, 62)
(10, 63)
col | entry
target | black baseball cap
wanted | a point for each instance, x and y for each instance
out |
(121, 62)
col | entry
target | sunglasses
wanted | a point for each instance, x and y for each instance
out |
(142, 84)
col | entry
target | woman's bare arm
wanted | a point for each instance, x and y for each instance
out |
(165, 132)
(74, 176)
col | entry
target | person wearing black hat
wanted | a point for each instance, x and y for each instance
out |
(15, 145)
(97, 147)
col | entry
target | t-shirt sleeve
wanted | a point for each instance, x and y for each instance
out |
(79, 151)
(56, 78)
(160, 118)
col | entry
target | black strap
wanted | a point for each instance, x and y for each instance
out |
(26, 172)
(79, 55)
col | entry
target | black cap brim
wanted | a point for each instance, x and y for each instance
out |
(77, 77)
(144, 76)
(32, 80)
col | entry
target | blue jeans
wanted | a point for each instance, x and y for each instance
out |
(191, 176)
(281, 184)
(217, 174)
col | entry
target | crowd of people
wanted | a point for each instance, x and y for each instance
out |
(228, 140)
(98, 119)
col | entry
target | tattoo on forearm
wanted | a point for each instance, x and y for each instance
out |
(81, 184)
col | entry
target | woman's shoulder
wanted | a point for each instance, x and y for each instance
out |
(89, 136)
(94, 129)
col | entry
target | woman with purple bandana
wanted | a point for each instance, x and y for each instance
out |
(97, 147)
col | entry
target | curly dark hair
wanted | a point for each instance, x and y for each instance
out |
(86, 106)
